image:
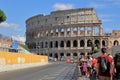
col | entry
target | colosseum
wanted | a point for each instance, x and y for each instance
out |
(68, 33)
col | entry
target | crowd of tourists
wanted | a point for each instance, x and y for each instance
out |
(101, 67)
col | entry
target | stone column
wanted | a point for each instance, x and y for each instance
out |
(65, 32)
(58, 56)
(100, 43)
(64, 44)
(78, 31)
(85, 31)
(71, 55)
(85, 43)
(58, 45)
(100, 30)
(71, 30)
(53, 42)
(65, 53)
(93, 31)
(59, 32)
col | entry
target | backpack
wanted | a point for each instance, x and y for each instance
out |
(104, 64)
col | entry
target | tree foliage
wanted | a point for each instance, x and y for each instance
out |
(24, 46)
(2, 16)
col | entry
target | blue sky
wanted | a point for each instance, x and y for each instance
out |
(18, 11)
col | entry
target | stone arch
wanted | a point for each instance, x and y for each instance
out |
(97, 43)
(115, 43)
(56, 31)
(61, 54)
(62, 31)
(68, 31)
(46, 44)
(89, 43)
(68, 54)
(56, 44)
(82, 30)
(96, 30)
(82, 53)
(82, 43)
(56, 55)
(75, 44)
(41, 44)
(62, 44)
(50, 55)
(75, 54)
(75, 31)
(51, 44)
(51, 33)
(89, 31)
(68, 43)
(103, 43)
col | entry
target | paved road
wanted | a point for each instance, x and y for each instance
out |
(48, 72)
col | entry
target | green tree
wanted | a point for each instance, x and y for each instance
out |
(2, 16)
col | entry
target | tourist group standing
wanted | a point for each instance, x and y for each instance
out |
(101, 67)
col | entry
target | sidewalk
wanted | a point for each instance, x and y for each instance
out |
(20, 66)
(81, 77)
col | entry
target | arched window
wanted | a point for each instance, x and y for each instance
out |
(96, 29)
(50, 54)
(46, 44)
(51, 44)
(61, 54)
(56, 44)
(103, 43)
(82, 53)
(82, 44)
(89, 43)
(55, 55)
(68, 54)
(75, 54)
(116, 43)
(74, 43)
(62, 32)
(62, 44)
(41, 44)
(97, 43)
(68, 44)
(68, 31)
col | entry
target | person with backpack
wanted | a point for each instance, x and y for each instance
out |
(105, 65)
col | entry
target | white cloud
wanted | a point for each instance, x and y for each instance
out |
(96, 5)
(60, 6)
(8, 25)
(19, 38)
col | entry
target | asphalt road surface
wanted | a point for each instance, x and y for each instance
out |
(47, 72)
